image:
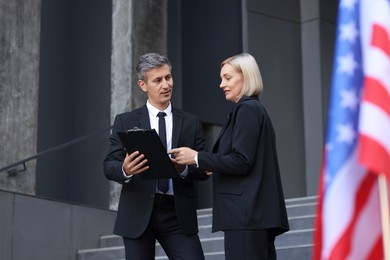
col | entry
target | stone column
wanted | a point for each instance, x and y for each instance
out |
(19, 72)
(138, 27)
(317, 36)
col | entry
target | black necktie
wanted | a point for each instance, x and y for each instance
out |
(163, 184)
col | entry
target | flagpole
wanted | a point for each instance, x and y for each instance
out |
(384, 201)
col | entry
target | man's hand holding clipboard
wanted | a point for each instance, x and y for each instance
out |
(153, 161)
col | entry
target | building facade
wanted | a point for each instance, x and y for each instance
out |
(67, 68)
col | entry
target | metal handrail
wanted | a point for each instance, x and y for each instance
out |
(13, 171)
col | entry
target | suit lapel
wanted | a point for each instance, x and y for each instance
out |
(144, 120)
(243, 99)
(177, 121)
(222, 132)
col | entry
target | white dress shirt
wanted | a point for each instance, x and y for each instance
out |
(169, 126)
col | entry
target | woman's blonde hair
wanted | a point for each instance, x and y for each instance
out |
(247, 66)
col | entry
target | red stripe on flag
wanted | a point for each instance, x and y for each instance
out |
(375, 92)
(375, 155)
(380, 38)
(377, 250)
(342, 248)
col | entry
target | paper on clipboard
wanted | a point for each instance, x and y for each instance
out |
(148, 143)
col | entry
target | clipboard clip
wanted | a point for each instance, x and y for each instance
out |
(134, 129)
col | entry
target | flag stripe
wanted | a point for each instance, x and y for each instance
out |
(377, 66)
(337, 197)
(378, 156)
(368, 222)
(376, 124)
(377, 252)
(343, 246)
(375, 92)
(380, 38)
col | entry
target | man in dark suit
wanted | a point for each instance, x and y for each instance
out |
(148, 211)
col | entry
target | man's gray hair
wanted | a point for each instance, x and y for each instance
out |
(150, 61)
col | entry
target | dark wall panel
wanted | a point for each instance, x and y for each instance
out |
(6, 222)
(35, 228)
(74, 99)
(276, 44)
(211, 32)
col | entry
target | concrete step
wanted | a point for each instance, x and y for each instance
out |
(301, 222)
(295, 238)
(208, 256)
(204, 217)
(296, 223)
(295, 244)
(115, 241)
(300, 226)
(299, 216)
(212, 247)
(297, 252)
(111, 241)
(301, 200)
(105, 253)
(300, 252)
(303, 209)
(295, 208)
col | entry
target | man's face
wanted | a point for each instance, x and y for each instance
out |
(158, 85)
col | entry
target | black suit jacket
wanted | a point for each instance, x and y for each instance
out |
(137, 196)
(247, 191)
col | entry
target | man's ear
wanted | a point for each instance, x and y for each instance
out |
(142, 85)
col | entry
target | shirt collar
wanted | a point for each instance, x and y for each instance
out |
(154, 111)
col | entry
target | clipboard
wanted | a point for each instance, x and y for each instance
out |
(147, 142)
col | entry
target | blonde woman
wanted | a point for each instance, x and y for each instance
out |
(248, 200)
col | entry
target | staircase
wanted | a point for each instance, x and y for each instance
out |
(295, 244)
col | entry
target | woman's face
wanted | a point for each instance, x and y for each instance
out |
(232, 82)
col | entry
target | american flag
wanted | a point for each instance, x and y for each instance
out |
(348, 223)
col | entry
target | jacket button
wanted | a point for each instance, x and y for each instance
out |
(152, 196)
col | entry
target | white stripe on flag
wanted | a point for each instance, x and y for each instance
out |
(376, 124)
(369, 223)
(378, 67)
(338, 202)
